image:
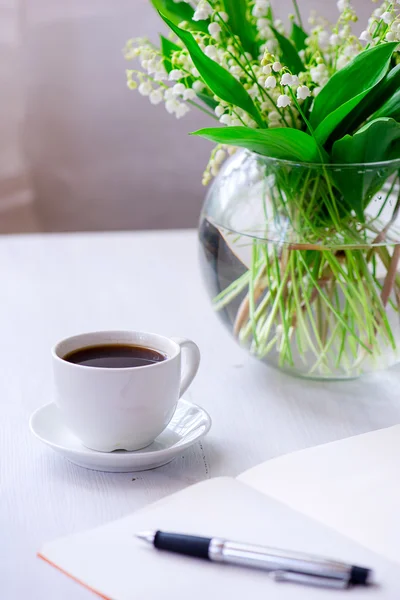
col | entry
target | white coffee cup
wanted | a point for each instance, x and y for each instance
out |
(122, 408)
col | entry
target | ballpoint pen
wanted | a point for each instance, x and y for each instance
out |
(282, 565)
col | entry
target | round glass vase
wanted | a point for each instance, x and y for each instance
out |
(301, 262)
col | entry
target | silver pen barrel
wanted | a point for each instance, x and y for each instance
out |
(286, 566)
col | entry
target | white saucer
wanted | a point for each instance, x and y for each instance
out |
(189, 424)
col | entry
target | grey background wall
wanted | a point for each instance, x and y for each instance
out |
(100, 156)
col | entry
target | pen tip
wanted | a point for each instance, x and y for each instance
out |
(146, 536)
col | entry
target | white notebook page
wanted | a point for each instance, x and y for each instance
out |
(111, 561)
(352, 485)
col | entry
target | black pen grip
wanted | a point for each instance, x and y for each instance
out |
(189, 545)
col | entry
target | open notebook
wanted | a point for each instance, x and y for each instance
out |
(340, 500)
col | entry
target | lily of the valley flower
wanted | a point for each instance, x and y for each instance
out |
(211, 52)
(342, 5)
(203, 11)
(156, 97)
(270, 82)
(261, 8)
(366, 36)
(303, 92)
(176, 75)
(283, 101)
(387, 17)
(288, 79)
(214, 30)
(145, 88)
(198, 86)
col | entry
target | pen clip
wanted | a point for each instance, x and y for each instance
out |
(305, 579)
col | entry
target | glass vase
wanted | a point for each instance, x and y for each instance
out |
(301, 262)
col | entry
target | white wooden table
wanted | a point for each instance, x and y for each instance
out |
(57, 285)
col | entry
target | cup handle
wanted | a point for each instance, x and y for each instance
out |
(192, 363)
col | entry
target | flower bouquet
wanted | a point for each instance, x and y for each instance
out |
(301, 246)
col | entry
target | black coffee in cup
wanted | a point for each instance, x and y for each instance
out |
(115, 356)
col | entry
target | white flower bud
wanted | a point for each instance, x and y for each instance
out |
(145, 88)
(270, 45)
(387, 17)
(160, 75)
(220, 156)
(303, 92)
(262, 23)
(283, 101)
(274, 116)
(214, 30)
(178, 89)
(200, 15)
(267, 69)
(219, 110)
(211, 52)
(198, 86)
(226, 119)
(286, 79)
(253, 91)
(270, 82)
(265, 106)
(171, 106)
(189, 94)
(156, 97)
(176, 74)
(323, 39)
(274, 119)
(203, 11)
(334, 40)
(169, 94)
(259, 10)
(365, 36)
(236, 70)
(181, 110)
(390, 36)
(214, 170)
(276, 66)
(152, 66)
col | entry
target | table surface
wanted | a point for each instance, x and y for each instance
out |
(58, 285)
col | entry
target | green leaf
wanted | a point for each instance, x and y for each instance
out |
(239, 24)
(391, 108)
(283, 143)
(373, 104)
(377, 141)
(167, 49)
(178, 12)
(208, 100)
(220, 81)
(347, 88)
(298, 37)
(288, 54)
